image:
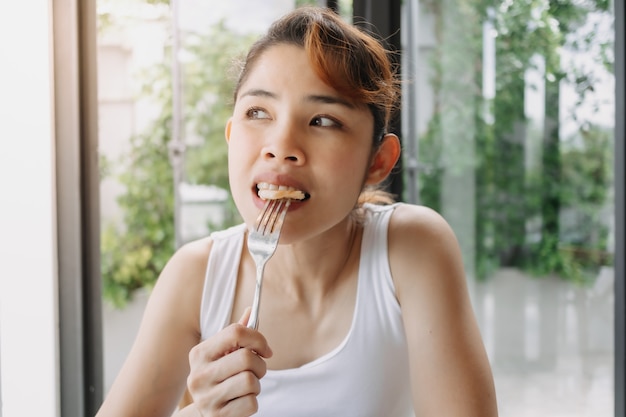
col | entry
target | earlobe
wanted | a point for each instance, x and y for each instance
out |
(229, 125)
(384, 159)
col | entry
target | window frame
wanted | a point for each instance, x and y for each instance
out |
(620, 226)
(80, 318)
(77, 207)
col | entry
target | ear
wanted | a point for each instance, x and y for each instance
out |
(384, 159)
(229, 125)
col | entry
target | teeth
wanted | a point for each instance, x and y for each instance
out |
(275, 192)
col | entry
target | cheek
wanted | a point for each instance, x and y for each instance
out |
(350, 171)
(232, 159)
(355, 160)
(238, 178)
(240, 150)
(236, 165)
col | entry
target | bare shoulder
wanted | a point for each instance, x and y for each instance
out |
(421, 219)
(191, 258)
(445, 346)
(426, 263)
(420, 239)
(182, 279)
(174, 303)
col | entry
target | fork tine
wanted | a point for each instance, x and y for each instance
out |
(280, 216)
(272, 216)
(263, 219)
(271, 221)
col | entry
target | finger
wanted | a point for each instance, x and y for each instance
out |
(240, 390)
(242, 406)
(243, 321)
(214, 404)
(242, 360)
(228, 394)
(229, 340)
(245, 317)
(219, 371)
(242, 384)
(215, 384)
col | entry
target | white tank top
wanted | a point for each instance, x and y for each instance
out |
(366, 375)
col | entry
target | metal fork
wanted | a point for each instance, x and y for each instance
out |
(262, 243)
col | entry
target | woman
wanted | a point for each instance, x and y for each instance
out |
(365, 309)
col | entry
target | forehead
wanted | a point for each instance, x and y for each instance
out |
(284, 66)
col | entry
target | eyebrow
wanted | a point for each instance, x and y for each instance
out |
(315, 98)
(330, 100)
(258, 92)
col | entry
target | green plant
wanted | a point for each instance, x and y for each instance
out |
(135, 249)
(511, 194)
(134, 253)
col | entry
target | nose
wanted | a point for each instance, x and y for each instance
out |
(285, 145)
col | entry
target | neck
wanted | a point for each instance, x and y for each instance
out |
(314, 268)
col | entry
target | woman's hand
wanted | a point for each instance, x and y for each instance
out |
(226, 369)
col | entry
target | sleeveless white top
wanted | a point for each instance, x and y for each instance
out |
(366, 375)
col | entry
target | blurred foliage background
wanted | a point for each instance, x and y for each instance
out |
(519, 214)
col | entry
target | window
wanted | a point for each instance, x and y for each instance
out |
(508, 117)
(488, 115)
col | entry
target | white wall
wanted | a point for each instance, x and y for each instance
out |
(28, 319)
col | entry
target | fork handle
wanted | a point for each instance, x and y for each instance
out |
(253, 321)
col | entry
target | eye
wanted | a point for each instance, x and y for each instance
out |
(257, 113)
(325, 121)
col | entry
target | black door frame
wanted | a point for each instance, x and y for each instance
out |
(384, 17)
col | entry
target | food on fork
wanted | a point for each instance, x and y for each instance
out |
(280, 194)
(273, 192)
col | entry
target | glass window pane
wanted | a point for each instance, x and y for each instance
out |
(508, 127)
(138, 101)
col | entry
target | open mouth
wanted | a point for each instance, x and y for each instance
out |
(268, 191)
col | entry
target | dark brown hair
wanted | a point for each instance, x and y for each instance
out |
(351, 61)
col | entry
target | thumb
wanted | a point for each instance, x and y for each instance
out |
(262, 350)
(245, 317)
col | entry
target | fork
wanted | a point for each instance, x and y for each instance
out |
(262, 243)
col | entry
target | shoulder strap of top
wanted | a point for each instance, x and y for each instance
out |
(221, 279)
(374, 264)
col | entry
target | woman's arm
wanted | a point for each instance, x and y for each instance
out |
(221, 374)
(153, 377)
(450, 371)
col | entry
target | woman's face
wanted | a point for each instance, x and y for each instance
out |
(291, 129)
